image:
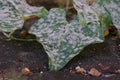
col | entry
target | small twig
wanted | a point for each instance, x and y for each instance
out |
(68, 8)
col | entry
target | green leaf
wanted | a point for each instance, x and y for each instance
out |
(102, 7)
(105, 12)
(10, 17)
(114, 10)
(12, 12)
(62, 40)
(85, 12)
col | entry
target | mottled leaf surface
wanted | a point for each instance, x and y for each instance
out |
(13, 11)
(110, 11)
(113, 7)
(85, 12)
(104, 12)
(10, 17)
(62, 40)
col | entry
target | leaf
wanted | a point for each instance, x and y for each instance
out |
(26, 71)
(106, 15)
(114, 9)
(85, 12)
(94, 72)
(12, 12)
(62, 40)
(10, 17)
(104, 11)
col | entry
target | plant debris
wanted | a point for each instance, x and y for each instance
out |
(94, 72)
(26, 71)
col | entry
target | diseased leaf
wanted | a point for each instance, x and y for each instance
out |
(12, 12)
(109, 11)
(90, 14)
(114, 10)
(85, 12)
(105, 12)
(10, 17)
(62, 40)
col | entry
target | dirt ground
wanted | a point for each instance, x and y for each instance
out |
(16, 55)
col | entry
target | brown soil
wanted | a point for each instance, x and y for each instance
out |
(16, 55)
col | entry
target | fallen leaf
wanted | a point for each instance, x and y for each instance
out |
(94, 72)
(80, 70)
(26, 71)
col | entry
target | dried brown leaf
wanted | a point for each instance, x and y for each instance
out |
(94, 72)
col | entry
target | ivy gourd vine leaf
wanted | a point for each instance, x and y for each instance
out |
(62, 40)
(105, 12)
(89, 14)
(114, 9)
(12, 13)
(85, 12)
(61, 49)
(10, 17)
